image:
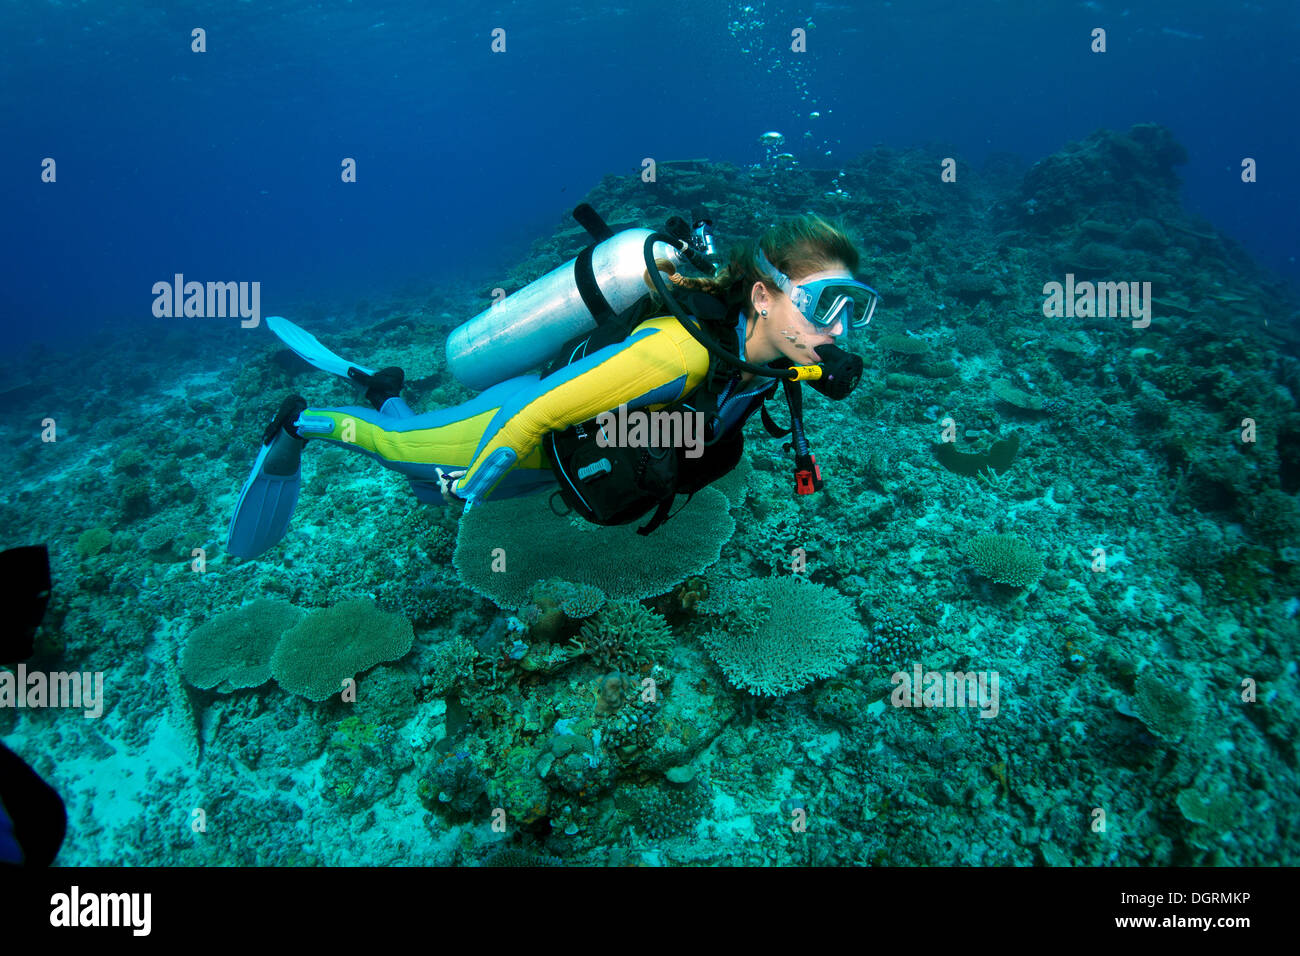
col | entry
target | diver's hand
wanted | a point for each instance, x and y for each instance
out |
(447, 484)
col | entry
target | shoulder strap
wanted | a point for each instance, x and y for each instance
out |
(613, 328)
(661, 515)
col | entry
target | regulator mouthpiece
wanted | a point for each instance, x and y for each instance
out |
(841, 372)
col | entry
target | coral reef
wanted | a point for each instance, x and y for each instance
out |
(995, 460)
(1149, 672)
(329, 645)
(504, 550)
(626, 636)
(659, 813)
(1006, 559)
(1169, 712)
(233, 650)
(782, 634)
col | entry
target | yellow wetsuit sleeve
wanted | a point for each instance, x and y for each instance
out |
(657, 364)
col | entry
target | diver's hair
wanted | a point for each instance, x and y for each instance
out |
(798, 246)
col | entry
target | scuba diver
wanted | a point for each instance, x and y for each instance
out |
(33, 819)
(775, 312)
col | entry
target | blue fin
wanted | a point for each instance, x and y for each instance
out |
(309, 349)
(267, 500)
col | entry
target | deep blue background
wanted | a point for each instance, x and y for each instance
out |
(225, 165)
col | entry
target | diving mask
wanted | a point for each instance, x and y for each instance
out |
(825, 298)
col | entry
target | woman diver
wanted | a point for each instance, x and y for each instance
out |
(774, 312)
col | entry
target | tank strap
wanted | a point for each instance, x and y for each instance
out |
(589, 219)
(585, 278)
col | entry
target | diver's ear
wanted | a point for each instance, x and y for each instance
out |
(760, 297)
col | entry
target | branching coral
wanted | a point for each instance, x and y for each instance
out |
(626, 636)
(1006, 559)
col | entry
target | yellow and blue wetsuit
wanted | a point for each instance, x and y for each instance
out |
(497, 436)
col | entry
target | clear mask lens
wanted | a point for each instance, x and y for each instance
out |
(851, 304)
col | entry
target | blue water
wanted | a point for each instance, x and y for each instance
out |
(225, 164)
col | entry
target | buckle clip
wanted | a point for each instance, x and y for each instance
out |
(807, 475)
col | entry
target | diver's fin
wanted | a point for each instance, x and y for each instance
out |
(27, 573)
(268, 498)
(306, 347)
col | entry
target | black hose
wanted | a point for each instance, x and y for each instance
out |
(713, 348)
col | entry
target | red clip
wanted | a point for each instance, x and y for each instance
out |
(808, 479)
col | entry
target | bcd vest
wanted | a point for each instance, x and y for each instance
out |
(610, 484)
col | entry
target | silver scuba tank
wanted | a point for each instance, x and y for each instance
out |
(527, 329)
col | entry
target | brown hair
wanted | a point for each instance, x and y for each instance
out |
(798, 246)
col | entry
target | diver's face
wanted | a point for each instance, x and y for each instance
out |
(788, 331)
